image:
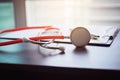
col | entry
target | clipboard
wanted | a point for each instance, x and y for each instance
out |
(106, 38)
(107, 42)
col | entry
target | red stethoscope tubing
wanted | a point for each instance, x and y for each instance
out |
(31, 38)
(25, 28)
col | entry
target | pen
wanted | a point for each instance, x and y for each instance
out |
(94, 37)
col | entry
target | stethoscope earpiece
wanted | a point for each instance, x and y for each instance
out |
(80, 36)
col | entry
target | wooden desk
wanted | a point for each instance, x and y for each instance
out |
(92, 62)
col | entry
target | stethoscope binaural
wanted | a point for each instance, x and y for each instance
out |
(79, 37)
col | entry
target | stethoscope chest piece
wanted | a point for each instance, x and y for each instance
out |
(80, 36)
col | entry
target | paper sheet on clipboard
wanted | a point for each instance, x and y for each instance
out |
(106, 33)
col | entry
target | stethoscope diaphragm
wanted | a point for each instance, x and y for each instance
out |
(80, 36)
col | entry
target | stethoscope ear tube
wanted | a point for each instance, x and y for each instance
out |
(19, 40)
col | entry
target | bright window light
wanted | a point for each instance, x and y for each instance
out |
(58, 13)
(67, 14)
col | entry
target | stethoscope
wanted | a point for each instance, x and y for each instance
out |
(79, 37)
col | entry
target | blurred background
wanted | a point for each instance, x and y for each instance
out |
(6, 14)
(71, 13)
(59, 13)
